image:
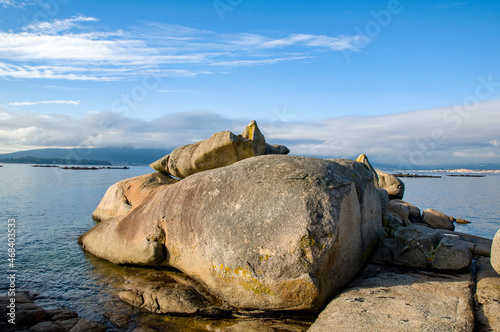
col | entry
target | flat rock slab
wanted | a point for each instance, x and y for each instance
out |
(488, 297)
(399, 299)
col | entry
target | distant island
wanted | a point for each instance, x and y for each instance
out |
(116, 156)
(52, 161)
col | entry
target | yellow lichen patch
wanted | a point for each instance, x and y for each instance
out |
(361, 158)
(307, 241)
(256, 286)
(174, 252)
(243, 277)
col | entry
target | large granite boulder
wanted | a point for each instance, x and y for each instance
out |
(122, 196)
(391, 183)
(495, 252)
(272, 232)
(221, 149)
(422, 247)
(437, 219)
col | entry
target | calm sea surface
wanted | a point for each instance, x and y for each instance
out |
(53, 207)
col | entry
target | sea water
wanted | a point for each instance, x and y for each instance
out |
(53, 207)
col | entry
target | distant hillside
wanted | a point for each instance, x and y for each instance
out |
(116, 156)
(52, 161)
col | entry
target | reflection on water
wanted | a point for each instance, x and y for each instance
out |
(113, 279)
(53, 208)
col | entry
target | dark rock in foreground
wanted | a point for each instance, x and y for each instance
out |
(423, 247)
(30, 317)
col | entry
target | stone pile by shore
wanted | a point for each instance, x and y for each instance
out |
(19, 313)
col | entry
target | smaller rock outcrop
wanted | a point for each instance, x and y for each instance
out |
(414, 215)
(437, 219)
(364, 160)
(122, 196)
(169, 292)
(422, 247)
(495, 252)
(401, 211)
(392, 184)
(221, 149)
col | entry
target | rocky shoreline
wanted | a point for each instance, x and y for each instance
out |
(231, 234)
(19, 313)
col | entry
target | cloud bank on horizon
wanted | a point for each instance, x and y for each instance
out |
(462, 134)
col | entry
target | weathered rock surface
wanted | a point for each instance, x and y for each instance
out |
(402, 211)
(478, 246)
(414, 215)
(395, 299)
(488, 297)
(495, 252)
(221, 149)
(437, 219)
(422, 247)
(122, 196)
(272, 232)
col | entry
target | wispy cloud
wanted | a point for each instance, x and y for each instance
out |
(33, 103)
(67, 48)
(407, 139)
(16, 3)
(55, 26)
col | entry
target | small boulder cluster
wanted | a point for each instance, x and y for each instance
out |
(31, 317)
(420, 239)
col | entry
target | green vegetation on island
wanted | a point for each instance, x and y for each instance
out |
(52, 161)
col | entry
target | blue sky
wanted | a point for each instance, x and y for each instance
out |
(167, 73)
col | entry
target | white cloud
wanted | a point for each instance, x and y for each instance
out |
(56, 26)
(33, 103)
(70, 49)
(16, 3)
(410, 140)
